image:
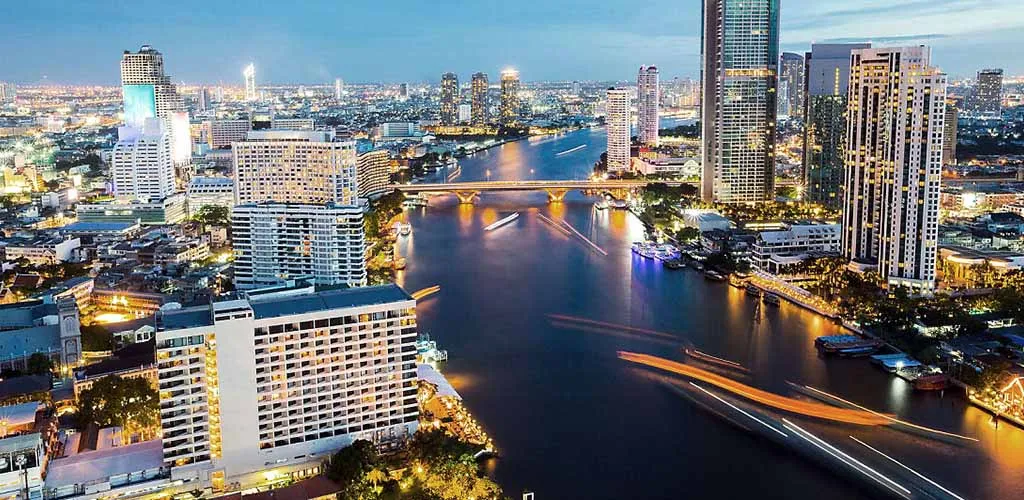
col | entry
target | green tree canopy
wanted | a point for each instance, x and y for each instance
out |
(130, 403)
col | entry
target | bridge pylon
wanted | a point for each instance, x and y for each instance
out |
(466, 197)
(556, 195)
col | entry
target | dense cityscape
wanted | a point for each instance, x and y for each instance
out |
(800, 268)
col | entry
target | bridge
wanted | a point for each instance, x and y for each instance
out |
(556, 189)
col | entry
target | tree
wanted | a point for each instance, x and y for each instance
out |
(39, 364)
(96, 338)
(213, 215)
(130, 403)
(350, 465)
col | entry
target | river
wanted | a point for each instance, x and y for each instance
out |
(572, 421)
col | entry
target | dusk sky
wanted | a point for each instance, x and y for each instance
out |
(313, 41)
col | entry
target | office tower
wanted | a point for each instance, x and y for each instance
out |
(791, 71)
(893, 164)
(826, 82)
(141, 164)
(949, 133)
(740, 56)
(289, 166)
(249, 73)
(281, 381)
(577, 90)
(276, 242)
(479, 98)
(988, 93)
(403, 91)
(648, 96)
(7, 92)
(147, 91)
(219, 94)
(617, 123)
(449, 98)
(339, 86)
(203, 99)
(373, 172)
(509, 105)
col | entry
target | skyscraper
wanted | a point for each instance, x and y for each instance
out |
(893, 164)
(373, 170)
(403, 91)
(147, 91)
(480, 100)
(141, 164)
(740, 56)
(949, 134)
(648, 96)
(826, 82)
(203, 99)
(449, 99)
(283, 380)
(249, 73)
(7, 92)
(791, 70)
(292, 166)
(509, 106)
(617, 123)
(339, 86)
(988, 93)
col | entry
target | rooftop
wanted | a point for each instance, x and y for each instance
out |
(89, 227)
(331, 299)
(89, 466)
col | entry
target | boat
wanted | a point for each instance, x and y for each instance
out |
(753, 291)
(601, 205)
(673, 264)
(502, 222)
(737, 282)
(713, 275)
(404, 229)
(644, 249)
(856, 352)
(697, 265)
(619, 204)
(936, 382)
(771, 299)
(848, 345)
(666, 252)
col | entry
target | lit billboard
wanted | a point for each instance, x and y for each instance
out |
(139, 104)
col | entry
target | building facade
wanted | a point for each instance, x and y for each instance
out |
(480, 99)
(774, 250)
(210, 191)
(509, 109)
(988, 93)
(648, 97)
(950, 133)
(449, 99)
(294, 167)
(276, 242)
(274, 384)
(249, 74)
(826, 82)
(740, 56)
(373, 172)
(791, 72)
(142, 167)
(893, 164)
(146, 68)
(617, 124)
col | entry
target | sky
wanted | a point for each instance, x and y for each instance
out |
(316, 41)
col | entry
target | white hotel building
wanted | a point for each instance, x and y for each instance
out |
(618, 122)
(790, 244)
(647, 97)
(272, 385)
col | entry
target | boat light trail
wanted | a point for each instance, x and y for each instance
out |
(584, 238)
(891, 418)
(611, 326)
(848, 460)
(573, 150)
(914, 472)
(502, 222)
(425, 292)
(715, 360)
(554, 225)
(817, 410)
(737, 408)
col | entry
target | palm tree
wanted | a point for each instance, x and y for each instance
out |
(375, 477)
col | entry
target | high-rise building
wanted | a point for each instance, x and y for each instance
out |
(141, 166)
(276, 242)
(826, 82)
(147, 90)
(339, 87)
(740, 57)
(791, 71)
(648, 97)
(203, 99)
(988, 93)
(509, 106)
(617, 124)
(893, 164)
(403, 91)
(288, 166)
(249, 73)
(465, 113)
(373, 171)
(949, 134)
(577, 90)
(8, 92)
(480, 100)
(449, 99)
(223, 133)
(282, 380)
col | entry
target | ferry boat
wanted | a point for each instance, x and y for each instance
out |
(644, 249)
(936, 382)
(713, 275)
(666, 252)
(404, 229)
(771, 299)
(619, 204)
(502, 222)
(753, 291)
(859, 351)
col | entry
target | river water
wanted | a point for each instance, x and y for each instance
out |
(572, 421)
